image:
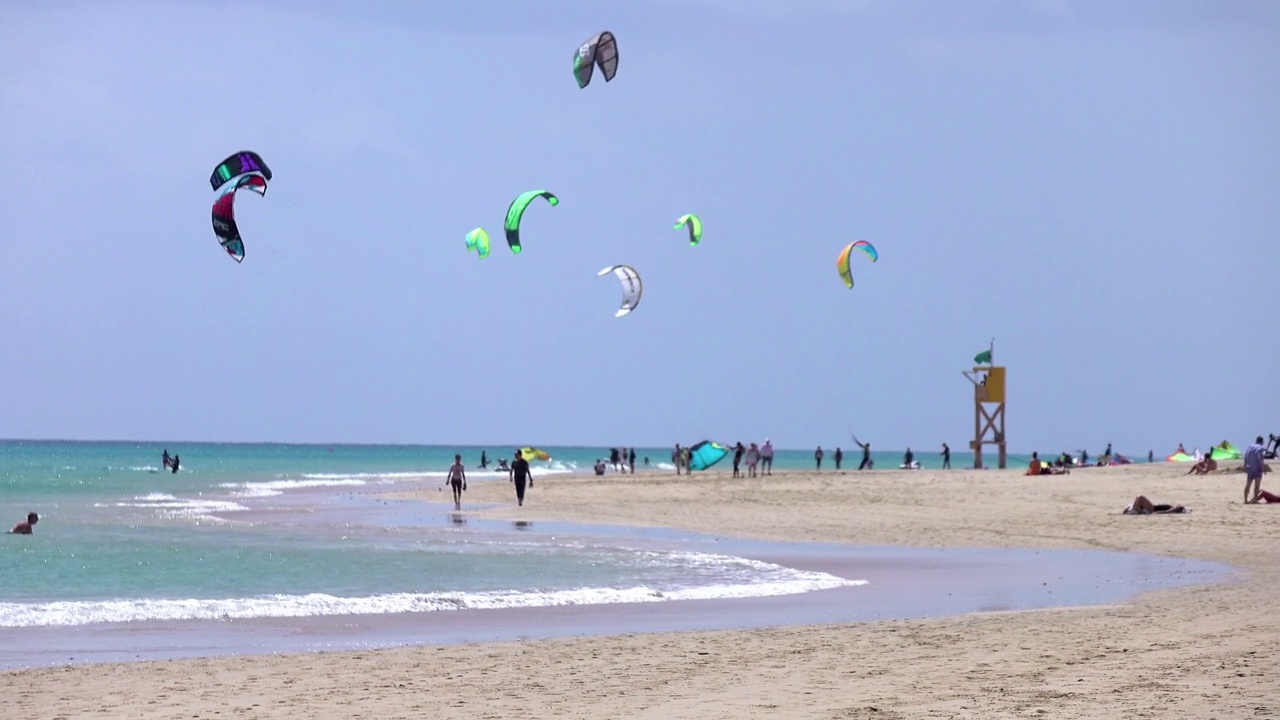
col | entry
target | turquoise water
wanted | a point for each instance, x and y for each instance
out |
(275, 548)
(253, 531)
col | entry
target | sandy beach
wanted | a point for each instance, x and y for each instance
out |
(1202, 652)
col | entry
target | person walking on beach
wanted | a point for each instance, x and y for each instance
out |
(946, 457)
(677, 456)
(766, 457)
(753, 456)
(631, 460)
(458, 479)
(1253, 468)
(866, 463)
(738, 451)
(24, 527)
(520, 474)
(839, 456)
(817, 458)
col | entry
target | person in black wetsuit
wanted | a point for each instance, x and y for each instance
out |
(839, 457)
(738, 450)
(946, 457)
(484, 459)
(520, 475)
(177, 463)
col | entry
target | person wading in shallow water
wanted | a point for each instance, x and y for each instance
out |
(520, 474)
(457, 480)
(24, 527)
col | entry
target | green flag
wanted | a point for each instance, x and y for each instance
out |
(982, 358)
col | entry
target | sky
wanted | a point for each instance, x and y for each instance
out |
(1092, 184)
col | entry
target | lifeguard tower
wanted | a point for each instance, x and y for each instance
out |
(988, 405)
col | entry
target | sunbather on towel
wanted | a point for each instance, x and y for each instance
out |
(1142, 506)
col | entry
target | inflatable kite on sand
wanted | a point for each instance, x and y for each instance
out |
(705, 454)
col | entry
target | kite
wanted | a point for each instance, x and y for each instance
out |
(478, 240)
(532, 453)
(224, 223)
(632, 288)
(516, 211)
(705, 454)
(245, 161)
(842, 262)
(600, 50)
(695, 228)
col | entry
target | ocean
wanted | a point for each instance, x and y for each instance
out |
(121, 540)
(129, 557)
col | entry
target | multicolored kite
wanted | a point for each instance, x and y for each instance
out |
(224, 214)
(842, 262)
(478, 240)
(245, 161)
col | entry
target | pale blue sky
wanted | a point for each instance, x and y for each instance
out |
(1093, 183)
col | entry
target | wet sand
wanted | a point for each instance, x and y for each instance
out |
(1204, 651)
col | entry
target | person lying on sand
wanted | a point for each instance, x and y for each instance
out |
(1204, 467)
(1265, 497)
(1142, 506)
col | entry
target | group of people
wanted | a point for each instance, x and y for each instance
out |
(758, 458)
(1254, 467)
(518, 473)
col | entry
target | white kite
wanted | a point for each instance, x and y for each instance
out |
(632, 288)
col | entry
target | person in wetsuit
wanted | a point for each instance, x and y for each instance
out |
(176, 464)
(520, 475)
(946, 457)
(165, 460)
(484, 459)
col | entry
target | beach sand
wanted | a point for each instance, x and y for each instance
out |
(1200, 652)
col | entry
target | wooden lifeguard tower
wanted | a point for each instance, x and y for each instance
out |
(988, 405)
